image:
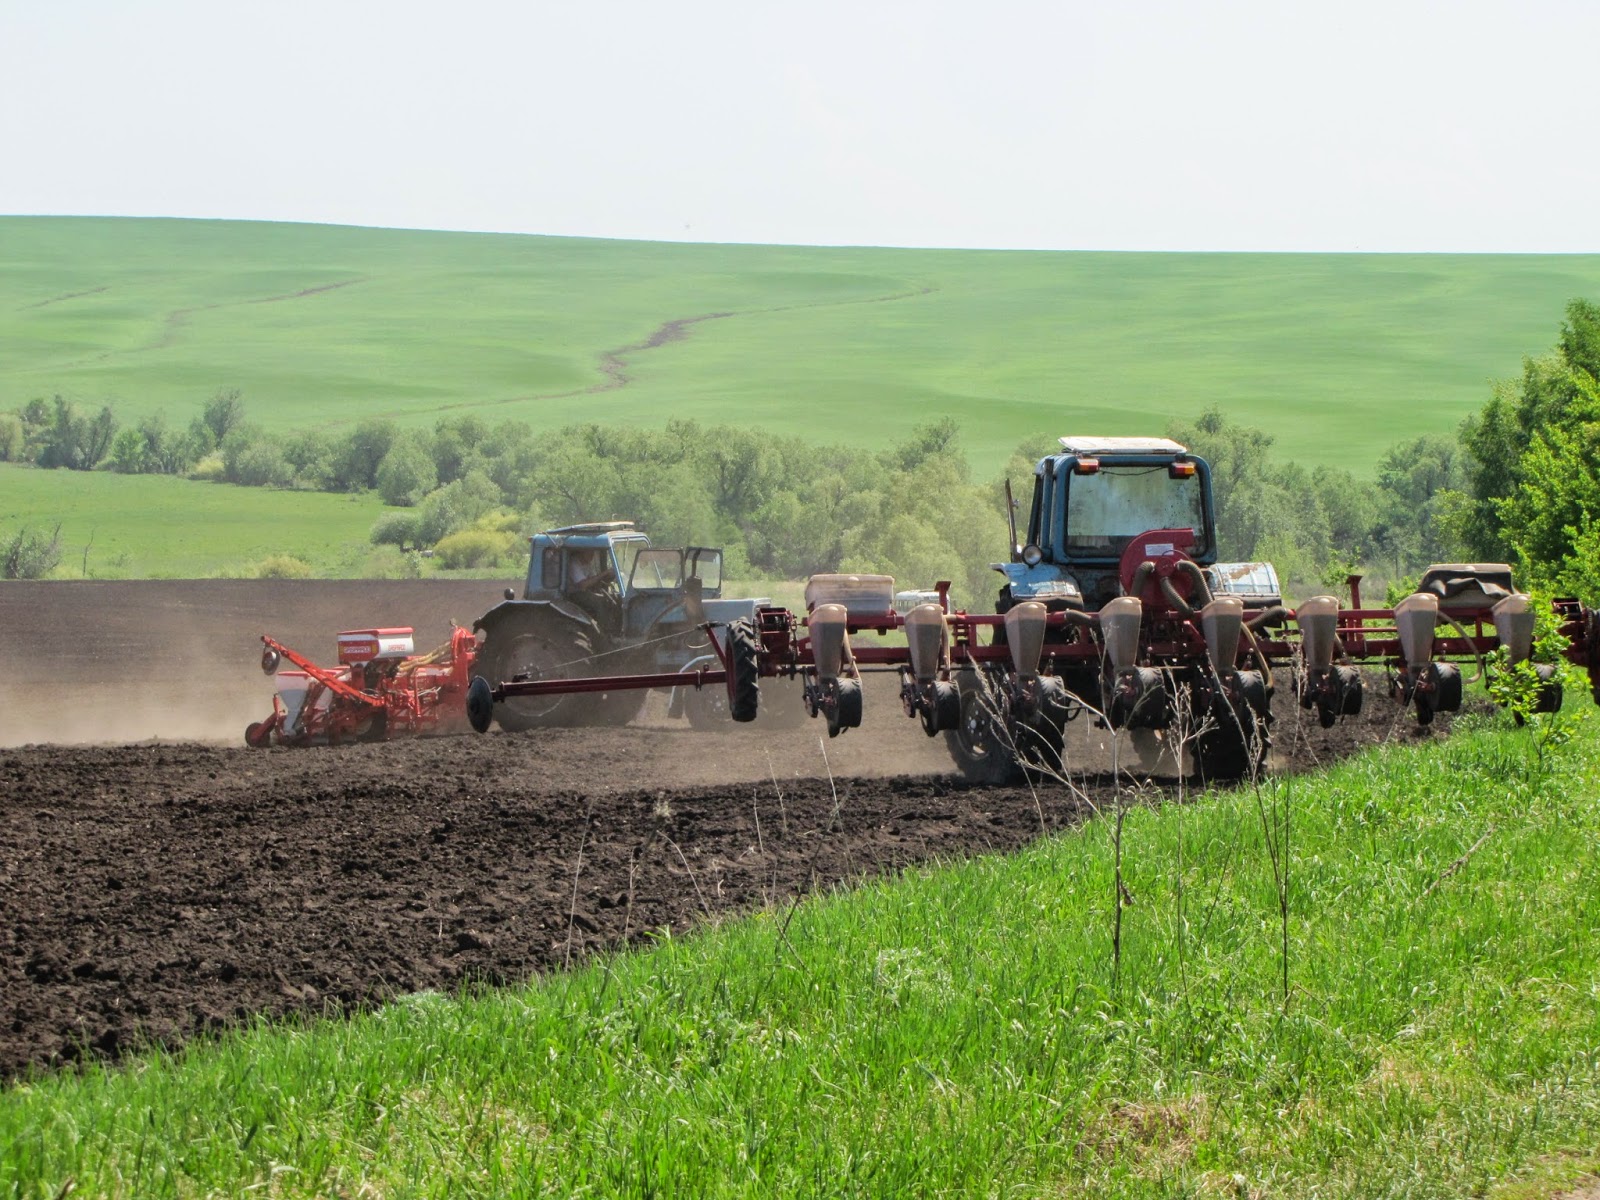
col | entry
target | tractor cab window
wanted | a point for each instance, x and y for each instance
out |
(1108, 509)
(657, 570)
(626, 553)
(550, 569)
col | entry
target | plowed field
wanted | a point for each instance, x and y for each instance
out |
(156, 889)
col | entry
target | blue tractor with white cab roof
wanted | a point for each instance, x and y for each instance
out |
(1120, 529)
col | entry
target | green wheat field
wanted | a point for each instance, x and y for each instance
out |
(1338, 356)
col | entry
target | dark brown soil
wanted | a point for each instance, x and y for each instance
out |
(159, 890)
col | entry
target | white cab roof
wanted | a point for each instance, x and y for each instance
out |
(1121, 445)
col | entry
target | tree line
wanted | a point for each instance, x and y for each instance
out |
(1517, 483)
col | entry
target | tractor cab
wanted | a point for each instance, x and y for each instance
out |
(607, 575)
(1091, 504)
(574, 560)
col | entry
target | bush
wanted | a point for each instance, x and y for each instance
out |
(13, 438)
(251, 458)
(30, 555)
(455, 506)
(281, 566)
(476, 548)
(210, 469)
(309, 454)
(396, 529)
(128, 453)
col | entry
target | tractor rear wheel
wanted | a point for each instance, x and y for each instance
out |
(540, 648)
(979, 744)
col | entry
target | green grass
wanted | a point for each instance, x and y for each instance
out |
(959, 1030)
(1339, 356)
(149, 526)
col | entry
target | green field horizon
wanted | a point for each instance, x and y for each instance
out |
(1337, 356)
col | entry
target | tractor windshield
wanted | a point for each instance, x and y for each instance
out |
(1109, 508)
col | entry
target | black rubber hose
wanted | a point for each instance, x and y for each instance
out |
(1178, 602)
(1276, 615)
(1201, 588)
(1141, 576)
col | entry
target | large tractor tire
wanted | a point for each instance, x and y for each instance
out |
(539, 646)
(980, 744)
(1233, 743)
(714, 705)
(744, 670)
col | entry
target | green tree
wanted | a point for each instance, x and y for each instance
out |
(1534, 449)
(128, 455)
(309, 454)
(358, 455)
(75, 441)
(455, 506)
(13, 438)
(407, 473)
(222, 414)
(399, 529)
(456, 443)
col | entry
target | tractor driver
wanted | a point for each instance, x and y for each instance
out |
(591, 585)
(588, 570)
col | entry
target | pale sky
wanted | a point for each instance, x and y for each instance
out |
(1153, 125)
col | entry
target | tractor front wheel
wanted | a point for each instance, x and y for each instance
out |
(744, 670)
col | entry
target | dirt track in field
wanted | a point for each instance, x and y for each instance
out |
(159, 890)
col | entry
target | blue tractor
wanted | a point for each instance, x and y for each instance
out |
(1121, 540)
(600, 600)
